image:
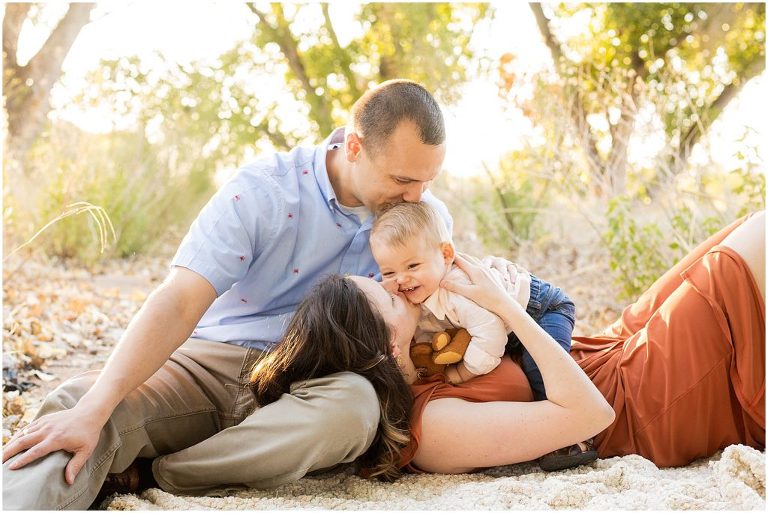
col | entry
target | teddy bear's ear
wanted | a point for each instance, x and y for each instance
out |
(440, 340)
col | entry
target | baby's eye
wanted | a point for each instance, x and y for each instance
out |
(387, 275)
(413, 266)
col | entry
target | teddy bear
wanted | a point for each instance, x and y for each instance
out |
(447, 347)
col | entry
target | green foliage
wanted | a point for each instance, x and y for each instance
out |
(426, 42)
(636, 256)
(696, 57)
(174, 125)
(663, 209)
(129, 178)
(506, 203)
(219, 109)
(647, 237)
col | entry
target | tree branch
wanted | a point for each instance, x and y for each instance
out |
(13, 19)
(280, 33)
(546, 32)
(29, 87)
(344, 60)
(45, 66)
(577, 111)
(730, 91)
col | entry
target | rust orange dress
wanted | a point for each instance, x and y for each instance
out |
(683, 368)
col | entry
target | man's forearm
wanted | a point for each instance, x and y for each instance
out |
(162, 324)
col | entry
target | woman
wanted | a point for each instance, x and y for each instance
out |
(335, 330)
(678, 377)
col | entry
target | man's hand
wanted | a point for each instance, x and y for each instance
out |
(67, 430)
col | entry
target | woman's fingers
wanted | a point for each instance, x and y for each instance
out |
(471, 259)
(452, 286)
(469, 264)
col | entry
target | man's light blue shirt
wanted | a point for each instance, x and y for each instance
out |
(267, 237)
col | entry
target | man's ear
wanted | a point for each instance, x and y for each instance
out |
(449, 252)
(353, 145)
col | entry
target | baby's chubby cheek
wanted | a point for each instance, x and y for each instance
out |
(389, 285)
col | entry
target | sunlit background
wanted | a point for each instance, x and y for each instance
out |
(478, 129)
(159, 102)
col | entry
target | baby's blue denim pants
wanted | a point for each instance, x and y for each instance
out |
(554, 311)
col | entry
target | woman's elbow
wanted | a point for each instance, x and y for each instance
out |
(604, 415)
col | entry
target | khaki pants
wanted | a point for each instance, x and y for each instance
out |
(200, 422)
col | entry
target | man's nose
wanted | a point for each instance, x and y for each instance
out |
(414, 191)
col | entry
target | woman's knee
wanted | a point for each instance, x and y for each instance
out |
(748, 240)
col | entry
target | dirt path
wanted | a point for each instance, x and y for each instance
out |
(60, 320)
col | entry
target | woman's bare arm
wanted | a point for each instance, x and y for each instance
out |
(496, 433)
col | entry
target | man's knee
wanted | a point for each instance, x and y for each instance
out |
(66, 395)
(353, 411)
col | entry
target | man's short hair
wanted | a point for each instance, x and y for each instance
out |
(377, 113)
(398, 223)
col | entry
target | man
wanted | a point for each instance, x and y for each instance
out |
(173, 388)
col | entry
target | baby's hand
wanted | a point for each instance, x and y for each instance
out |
(452, 375)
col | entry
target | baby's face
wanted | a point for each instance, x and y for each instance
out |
(414, 269)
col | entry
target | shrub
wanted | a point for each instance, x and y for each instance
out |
(132, 180)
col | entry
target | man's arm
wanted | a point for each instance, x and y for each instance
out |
(163, 323)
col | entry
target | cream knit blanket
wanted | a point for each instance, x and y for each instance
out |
(733, 479)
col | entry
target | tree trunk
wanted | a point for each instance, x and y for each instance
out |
(576, 109)
(28, 87)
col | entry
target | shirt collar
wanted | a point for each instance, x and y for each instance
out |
(335, 141)
(436, 304)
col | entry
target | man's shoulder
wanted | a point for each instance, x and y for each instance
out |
(280, 163)
(276, 171)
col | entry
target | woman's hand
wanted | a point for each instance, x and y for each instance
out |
(67, 430)
(485, 289)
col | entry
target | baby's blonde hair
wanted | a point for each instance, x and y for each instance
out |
(398, 223)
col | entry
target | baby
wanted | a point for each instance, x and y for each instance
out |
(413, 248)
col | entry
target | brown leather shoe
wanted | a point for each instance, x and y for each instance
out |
(138, 476)
(568, 457)
(126, 481)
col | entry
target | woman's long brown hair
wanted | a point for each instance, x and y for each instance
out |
(335, 329)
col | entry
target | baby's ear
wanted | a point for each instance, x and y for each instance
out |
(449, 252)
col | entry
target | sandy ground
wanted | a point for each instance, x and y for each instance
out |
(731, 480)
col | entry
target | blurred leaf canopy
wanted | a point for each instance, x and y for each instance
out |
(684, 61)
